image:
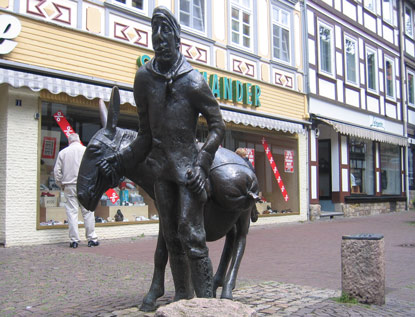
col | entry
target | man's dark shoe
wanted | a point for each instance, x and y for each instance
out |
(93, 243)
(73, 245)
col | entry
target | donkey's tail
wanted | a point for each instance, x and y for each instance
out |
(254, 210)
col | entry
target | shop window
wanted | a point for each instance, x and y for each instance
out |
(326, 49)
(411, 165)
(241, 23)
(281, 34)
(351, 60)
(390, 159)
(409, 26)
(134, 203)
(361, 167)
(192, 14)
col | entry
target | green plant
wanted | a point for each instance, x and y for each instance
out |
(346, 299)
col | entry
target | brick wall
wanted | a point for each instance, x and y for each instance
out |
(369, 209)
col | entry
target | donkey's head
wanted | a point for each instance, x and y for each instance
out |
(91, 183)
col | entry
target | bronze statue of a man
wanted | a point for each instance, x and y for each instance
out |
(170, 95)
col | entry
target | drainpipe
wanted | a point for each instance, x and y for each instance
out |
(403, 93)
(307, 91)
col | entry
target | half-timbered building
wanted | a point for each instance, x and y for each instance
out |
(358, 140)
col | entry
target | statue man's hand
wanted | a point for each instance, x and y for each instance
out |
(109, 167)
(196, 180)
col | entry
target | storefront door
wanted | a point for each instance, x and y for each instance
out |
(324, 174)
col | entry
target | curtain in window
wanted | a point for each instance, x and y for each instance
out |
(371, 71)
(281, 43)
(408, 22)
(389, 79)
(325, 49)
(351, 61)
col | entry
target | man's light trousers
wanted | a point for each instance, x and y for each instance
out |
(72, 206)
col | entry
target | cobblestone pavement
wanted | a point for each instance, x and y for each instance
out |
(112, 279)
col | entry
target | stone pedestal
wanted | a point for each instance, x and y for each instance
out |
(363, 268)
(205, 307)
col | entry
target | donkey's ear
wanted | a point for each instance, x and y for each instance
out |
(103, 113)
(114, 110)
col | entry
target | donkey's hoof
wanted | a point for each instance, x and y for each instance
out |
(148, 307)
(226, 295)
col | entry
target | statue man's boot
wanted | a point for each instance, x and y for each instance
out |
(180, 269)
(202, 276)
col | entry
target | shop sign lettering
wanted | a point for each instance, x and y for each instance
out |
(377, 123)
(10, 28)
(225, 88)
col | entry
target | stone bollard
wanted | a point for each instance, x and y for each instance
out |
(363, 268)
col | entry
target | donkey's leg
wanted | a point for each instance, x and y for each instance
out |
(157, 284)
(242, 227)
(219, 278)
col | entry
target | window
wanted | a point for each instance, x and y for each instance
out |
(371, 69)
(351, 60)
(281, 34)
(390, 159)
(241, 23)
(389, 78)
(86, 122)
(411, 89)
(137, 4)
(409, 26)
(192, 14)
(370, 5)
(387, 9)
(326, 49)
(362, 180)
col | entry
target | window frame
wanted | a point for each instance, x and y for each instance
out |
(367, 3)
(376, 69)
(383, 3)
(356, 59)
(410, 72)
(191, 17)
(411, 35)
(332, 56)
(128, 5)
(242, 8)
(282, 26)
(392, 61)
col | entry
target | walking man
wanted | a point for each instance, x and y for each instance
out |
(66, 174)
(170, 95)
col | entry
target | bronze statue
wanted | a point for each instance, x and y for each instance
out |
(234, 189)
(165, 159)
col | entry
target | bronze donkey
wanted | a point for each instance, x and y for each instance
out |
(233, 193)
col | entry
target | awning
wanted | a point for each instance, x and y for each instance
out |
(261, 122)
(73, 88)
(56, 85)
(365, 133)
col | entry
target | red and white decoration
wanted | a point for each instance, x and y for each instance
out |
(67, 130)
(289, 161)
(251, 155)
(275, 169)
